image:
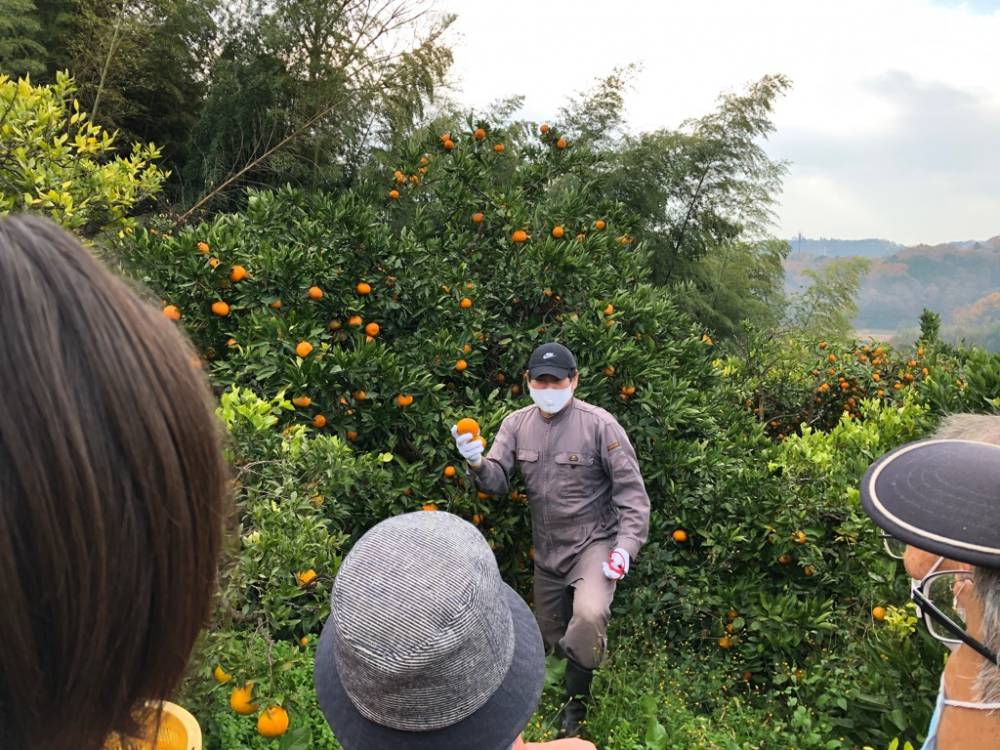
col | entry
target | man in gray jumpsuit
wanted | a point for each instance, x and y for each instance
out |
(589, 511)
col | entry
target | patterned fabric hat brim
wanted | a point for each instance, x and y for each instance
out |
(495, 726)
(942, 496)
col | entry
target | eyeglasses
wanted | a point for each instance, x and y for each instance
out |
(893, 546)
(938, 601)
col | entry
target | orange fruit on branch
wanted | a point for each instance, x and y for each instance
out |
(240, 700)
(305, 577)
(498, 148)
(319, 422)
(428, 507)
(303, 349)
(372, 329)
(461, 365)
(679, 536)
(465, 303)
(477, 218)
(558, 232)
(302, 401)
(878, 613)
(359, 395)
(394, 194)
(355, 320)
(221, 676)
(363, 288)
(449, 471)
(273, 722)
(314, 293)
(276, 305)
(561, 144)
(479, 134)
(403, 400)
(203, 247)
(220, 308)
(599, 224)
(519, 236)
(172, 312)
(543, 128)
(237, 274)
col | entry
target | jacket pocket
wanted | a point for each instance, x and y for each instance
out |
(527, 463)
(578, 473)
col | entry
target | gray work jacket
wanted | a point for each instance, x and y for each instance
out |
(582, 477)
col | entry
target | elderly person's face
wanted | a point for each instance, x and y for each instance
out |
(920, 563)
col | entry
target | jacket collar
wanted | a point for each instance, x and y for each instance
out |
(560, 415)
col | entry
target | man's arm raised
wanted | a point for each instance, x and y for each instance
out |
(492, 471)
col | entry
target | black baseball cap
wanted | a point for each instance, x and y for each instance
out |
(942, 496)
(551, 359)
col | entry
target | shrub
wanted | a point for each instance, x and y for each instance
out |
(59, 163)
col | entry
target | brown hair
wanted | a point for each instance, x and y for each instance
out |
(112, 494)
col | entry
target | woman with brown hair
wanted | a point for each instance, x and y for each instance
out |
(112, 493)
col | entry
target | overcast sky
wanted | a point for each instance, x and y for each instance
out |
(892, 127)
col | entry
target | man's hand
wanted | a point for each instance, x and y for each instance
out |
(616, 566)
(467, 444)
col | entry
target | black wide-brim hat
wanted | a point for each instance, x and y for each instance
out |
(942, 496)
(494, 726)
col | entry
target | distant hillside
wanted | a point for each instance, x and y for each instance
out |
(958, 280)
(844, 248)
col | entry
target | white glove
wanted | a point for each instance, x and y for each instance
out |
(467, 444)
(616, 566)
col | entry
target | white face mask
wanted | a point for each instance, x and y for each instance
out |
(551, 400)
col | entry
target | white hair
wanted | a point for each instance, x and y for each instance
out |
(988, 590)
(984, 428)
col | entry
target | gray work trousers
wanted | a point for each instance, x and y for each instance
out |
(573, 610)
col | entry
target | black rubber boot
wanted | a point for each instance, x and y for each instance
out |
(574, 713)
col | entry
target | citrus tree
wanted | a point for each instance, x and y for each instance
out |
(349, 331)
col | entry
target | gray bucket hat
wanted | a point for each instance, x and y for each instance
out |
(426, 646)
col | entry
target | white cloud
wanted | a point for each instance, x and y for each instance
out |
(878, 90)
